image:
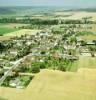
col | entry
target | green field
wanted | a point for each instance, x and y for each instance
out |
(7, 28)
(4, 30)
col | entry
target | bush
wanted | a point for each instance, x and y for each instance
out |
(42, 65)
(62, 68)
(35, 69)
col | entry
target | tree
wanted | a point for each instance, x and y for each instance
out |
(2, 47)
(73, 40)
(42, 65)
(92, 50)
(83, 43)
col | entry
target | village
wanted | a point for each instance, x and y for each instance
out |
(22, 57)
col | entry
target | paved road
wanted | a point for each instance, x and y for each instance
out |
(10, 70)
(16, 63)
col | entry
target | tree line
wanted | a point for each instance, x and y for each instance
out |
(36, 21)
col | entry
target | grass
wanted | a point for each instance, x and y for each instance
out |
(4, 30)
(57, 85)
(9, 27)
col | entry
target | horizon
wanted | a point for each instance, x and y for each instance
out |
(43, 6)
(48, 3)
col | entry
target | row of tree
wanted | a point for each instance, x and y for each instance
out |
(38, 21)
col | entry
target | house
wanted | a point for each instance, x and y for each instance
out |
(90, 43)
(79, 40)
(16, 83)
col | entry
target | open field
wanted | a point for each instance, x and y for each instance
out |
(6, 30)
(22, 32)
(11, 25)
(89, 37)
(56, 85)
(7, 36)
(87, 62)
(84, 62)
(77, 15)
(2, 38)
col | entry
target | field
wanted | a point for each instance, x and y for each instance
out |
(10, 27)
(77, 15)
(2, 98)
(56, 85)
(4, 29)
(76, 81)
(22, 32)
(9, 30)
(84, 62)
(7, 36)
(89, 37)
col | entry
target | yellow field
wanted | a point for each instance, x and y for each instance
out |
(84, 62)
(12, 25)
(87, 62)
(77, 15)
(89, 37)
(18, 33)
(22, 32)
(56, 85)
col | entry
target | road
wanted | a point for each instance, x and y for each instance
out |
(16, 63)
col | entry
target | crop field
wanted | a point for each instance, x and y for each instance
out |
(84, 62)
(10, 27)
(77, 15)
(6, 30)
(22, 32)
(9, 35)
(89, 37)
(57, 85)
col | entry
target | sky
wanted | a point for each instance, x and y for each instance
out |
(65, 3)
